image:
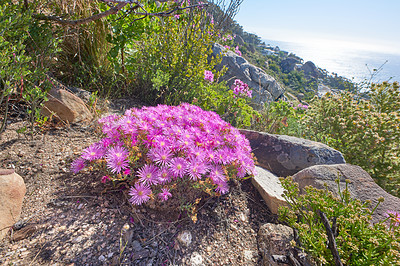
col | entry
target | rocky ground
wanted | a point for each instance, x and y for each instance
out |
(76, 220)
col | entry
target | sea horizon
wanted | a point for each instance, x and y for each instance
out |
(352, 62)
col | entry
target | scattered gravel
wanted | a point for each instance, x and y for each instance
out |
(77, 220)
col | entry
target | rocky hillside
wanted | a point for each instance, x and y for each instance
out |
(294, 75)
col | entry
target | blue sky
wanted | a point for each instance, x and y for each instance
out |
(368, 24)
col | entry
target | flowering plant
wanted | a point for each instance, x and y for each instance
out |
(154, 148)
(208, 75)
(241, 89)
(359, 242)
(366, 132)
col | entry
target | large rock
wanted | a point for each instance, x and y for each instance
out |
(310, 69)
(265, 88)
(289, 64)
(66, 106)
(285, 155)
(361, 185)
(12, 192)
(270, 188)
(274, 239)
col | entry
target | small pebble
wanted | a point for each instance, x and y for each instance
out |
(102, 258)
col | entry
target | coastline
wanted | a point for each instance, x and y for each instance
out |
(349, 62)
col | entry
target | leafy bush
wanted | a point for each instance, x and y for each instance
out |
(366, 132)
(164, 58)
(358, 242)
(158, 149)
(18, 76)
(281, 118)
(233, 105)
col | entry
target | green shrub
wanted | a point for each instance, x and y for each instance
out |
(358, 242)
(280, 118)
(19, 76)
(164, 58)
(219, 98)
(365, 131)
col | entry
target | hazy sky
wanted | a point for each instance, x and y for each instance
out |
(367, 23)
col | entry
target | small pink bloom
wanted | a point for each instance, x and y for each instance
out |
(165, 194)
(208, 75)
(104, 179)
(238, 51)
(127, 171)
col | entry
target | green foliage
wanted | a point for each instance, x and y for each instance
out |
(366, 132)
(18, 75)
(163, 58)
(219, 98)
(358, 242)
(280, 118)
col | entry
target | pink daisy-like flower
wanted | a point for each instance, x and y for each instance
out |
(93, 152)
(196, 168)
(165, 175)
(105, 178)
(105, 142)
(78, 165)
(139, 194)
(117, 159)
(197, 152)
(160, 155)
(148, 174)
(178, 167)
(165, 194)
(127, 124)
(217, 174)
(161, 141)
(222, 188)
(127, 171)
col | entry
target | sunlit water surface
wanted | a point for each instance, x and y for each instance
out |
(351, 60)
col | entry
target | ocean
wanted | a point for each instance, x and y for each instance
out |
(352, 62)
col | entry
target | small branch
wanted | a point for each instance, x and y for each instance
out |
(111, 11)
(169, 12)
(331, 239)
(114, 10)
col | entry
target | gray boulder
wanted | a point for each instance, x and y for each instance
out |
(361, 185)
(285, 155)
(289, 64)
(265, 88)
(310, 69)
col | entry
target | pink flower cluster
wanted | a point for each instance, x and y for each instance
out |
(237, 51)
(157, 146)
(241, 89)
(208, 75)
(301, 106)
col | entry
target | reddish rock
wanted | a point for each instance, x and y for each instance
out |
(66, 107)
(361, 185)
(12, 192)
